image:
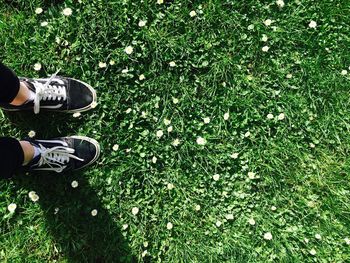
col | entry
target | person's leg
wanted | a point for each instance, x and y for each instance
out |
(9, 84)
(11, 156)
(12, 90)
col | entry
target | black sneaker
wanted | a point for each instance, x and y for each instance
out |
(64, 154)
(57, 94)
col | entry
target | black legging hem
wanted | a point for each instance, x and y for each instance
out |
(9, 84)
(11, 156)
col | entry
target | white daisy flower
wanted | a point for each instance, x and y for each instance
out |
(201, 141)
(159, 133)
(197, 207)
(229, 217)
(31, 134)
(226, 116)
(175, 100)
(31, 193)
(265, 48)
(218, 223)
(251, 221)
(142, 23)
(206, 120)
(251, 175)
(135, 210)
(193, 13)
(280, 3)
(170, 186)
(67, 11)
(268, 22)
(268, 236)
(125, 226)
(12, 207)
(273, 208)
(142, 77)
(170, 129)
(94, 212)
(289, 76)
(33, 196)
(38, 10)
(115, 147)
(37, 66)
(112, 62)
(74, 184)
(250, 27)
(145, 244)
(176, 142)
(344, 72)
(124, 71)
(166, 122)
(234, 155)
(169, 225)
(45, 23)
(312, 24)
(270, 116)
(128, 50)
(154, 159)
(102, 65)
(128, 110)
(76, 114)
(281, 116)
(216, 177)
(347, 241)
(247, 134)
(159, 2)
(144, 253)
(264, 38)
(318, 237)
(312, 252)
(172, 64)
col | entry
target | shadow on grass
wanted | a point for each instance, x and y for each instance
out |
(79, 236)
(47, 125)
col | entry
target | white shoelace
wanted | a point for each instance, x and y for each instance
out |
(48, 92)
(56, 158)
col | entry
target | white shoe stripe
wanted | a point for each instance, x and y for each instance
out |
(52, 106)
(53, 141)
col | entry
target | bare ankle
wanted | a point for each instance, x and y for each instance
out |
(28, 151)
(22, 96)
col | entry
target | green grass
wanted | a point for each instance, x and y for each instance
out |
(220, 67)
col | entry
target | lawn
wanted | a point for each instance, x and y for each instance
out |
(224, 128)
